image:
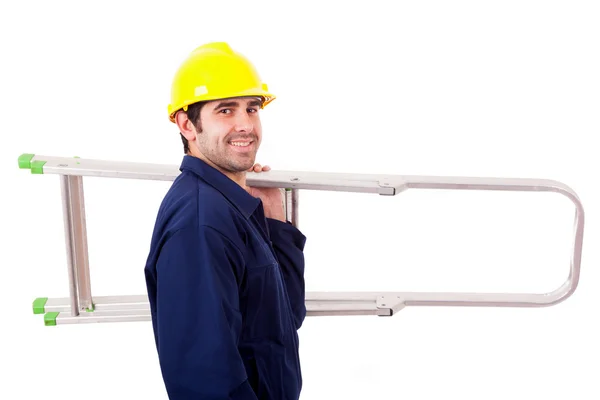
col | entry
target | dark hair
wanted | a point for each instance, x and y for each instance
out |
(193, 114)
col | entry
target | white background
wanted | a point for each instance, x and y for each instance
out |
(470, 88)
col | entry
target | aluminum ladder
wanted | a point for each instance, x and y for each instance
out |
(83, 307)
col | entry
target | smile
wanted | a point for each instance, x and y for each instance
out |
(240, 143)
(245, 146)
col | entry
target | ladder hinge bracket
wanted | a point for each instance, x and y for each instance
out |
(391, 186)
(390, 302)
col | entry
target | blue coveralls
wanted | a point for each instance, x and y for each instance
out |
(226, 292)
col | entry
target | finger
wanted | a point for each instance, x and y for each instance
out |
(266, 168)
(257, 167)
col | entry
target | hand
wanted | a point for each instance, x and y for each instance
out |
(273, 199)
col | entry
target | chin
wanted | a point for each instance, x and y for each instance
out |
(241, 167)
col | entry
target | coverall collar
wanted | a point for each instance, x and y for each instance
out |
(239, 197)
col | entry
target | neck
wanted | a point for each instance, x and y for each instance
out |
(237, 177)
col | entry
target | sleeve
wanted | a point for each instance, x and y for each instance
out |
(198, 321)
(289, 243)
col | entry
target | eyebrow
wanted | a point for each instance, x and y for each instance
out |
(236, 104)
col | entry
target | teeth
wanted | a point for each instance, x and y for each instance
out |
(240, 144)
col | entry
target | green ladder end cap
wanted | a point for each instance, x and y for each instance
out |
(39, 305)
(50, 318)
(36, 167)
(25, 160)
(91, 309)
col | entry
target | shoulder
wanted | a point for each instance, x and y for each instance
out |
(216, 212)
(191, 203)
(179, 207)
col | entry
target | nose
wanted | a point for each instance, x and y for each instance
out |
(243, 123)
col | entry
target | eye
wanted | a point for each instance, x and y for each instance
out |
(252, 110)
(225, 111)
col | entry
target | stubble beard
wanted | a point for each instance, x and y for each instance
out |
(224, 158)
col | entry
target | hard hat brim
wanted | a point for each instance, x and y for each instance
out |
(266, 99)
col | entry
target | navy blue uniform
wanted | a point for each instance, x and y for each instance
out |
(226, 291)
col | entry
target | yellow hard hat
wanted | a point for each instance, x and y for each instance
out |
(214, 71)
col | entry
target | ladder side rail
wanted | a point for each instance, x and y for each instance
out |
(558, 295)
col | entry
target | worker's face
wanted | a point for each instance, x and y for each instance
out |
(230, 133)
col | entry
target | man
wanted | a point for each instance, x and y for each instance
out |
(225, 271)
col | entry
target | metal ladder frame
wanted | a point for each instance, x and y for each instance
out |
(82, 307)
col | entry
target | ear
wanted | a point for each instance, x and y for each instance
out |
(185, 126)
